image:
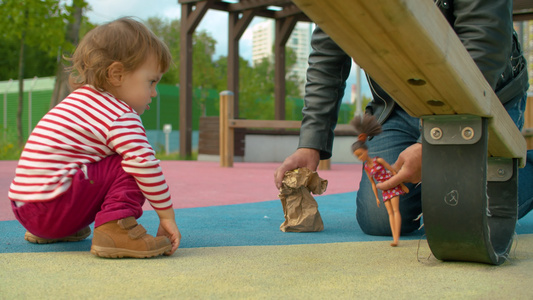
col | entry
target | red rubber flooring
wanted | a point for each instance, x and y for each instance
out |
(201, 184)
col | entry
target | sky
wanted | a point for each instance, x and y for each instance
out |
(214, 22)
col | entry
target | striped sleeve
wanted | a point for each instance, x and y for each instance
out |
(128, 138)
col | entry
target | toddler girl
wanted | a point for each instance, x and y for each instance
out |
(88, 159)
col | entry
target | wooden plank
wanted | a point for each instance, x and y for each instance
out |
(528, 122)
(409, 48)
(226, 133)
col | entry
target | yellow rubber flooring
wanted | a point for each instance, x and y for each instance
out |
(351, 270)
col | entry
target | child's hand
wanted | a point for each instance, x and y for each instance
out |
(168, 228)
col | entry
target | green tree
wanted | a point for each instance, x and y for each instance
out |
(31, 23)
(169, 32)
(203, 51)
(42, 62)
(256, 95)
(72, 36)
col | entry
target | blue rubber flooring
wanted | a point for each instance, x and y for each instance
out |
(249, 224)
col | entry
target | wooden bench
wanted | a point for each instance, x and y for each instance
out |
(471, 147)
(228, 124)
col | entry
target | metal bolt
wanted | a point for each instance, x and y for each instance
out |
(468, 133)
(436, 133)
(501, 172)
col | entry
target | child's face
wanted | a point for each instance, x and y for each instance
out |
(138, 87)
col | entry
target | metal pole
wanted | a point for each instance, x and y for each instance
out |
(158, 111)
(29, 104)
(5, 103)
(359, 97)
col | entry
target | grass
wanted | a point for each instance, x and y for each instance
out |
(9, 149)
(175, 156)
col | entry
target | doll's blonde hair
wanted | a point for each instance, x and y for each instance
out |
(124, 40)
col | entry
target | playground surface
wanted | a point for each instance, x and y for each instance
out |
(232, 248)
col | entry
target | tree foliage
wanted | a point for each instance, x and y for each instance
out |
(256, 95)
(36, 24)
(203, 51)
(257, 86)
(35, 35)
(72, 37)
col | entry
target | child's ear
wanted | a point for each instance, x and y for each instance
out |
(115, 73)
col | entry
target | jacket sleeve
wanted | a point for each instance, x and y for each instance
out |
(485, 28)
(329, 67)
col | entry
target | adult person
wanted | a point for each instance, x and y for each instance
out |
(485, 28)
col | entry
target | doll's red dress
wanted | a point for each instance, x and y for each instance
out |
(380, 173)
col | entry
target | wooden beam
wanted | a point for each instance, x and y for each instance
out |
(190, 18)
(409, 48)
(252, 4)
(237, 24)
(522, 9)
(284, 28)
(274, 124)
(289, 11)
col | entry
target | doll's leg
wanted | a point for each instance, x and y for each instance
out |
(399, 132)
(396, 219)
(392, 223)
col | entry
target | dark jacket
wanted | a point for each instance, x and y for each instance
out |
(493, 46)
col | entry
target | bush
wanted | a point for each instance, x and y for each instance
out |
(9, 149)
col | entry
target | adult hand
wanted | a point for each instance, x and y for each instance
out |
(408, 166)
(303, 157)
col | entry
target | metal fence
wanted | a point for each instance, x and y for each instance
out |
(164, 109)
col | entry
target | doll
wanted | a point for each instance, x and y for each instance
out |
(377, 168)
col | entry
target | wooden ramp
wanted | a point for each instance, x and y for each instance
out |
(408, 47)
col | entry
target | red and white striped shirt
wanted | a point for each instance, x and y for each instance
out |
(84, 128)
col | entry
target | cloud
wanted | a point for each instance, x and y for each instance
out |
(102, 11)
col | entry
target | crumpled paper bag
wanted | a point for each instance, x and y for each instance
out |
(300, 208)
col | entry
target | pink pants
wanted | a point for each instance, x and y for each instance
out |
(107, 194)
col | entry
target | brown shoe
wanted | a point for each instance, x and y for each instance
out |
(126, 238)
(78, 236)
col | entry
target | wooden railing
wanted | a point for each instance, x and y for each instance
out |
(228, 124)
(528, 123)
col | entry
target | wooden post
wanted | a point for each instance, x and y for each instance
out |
(226, 132)
(324, 164)
(528, 122)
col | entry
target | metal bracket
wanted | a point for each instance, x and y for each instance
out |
(458, 181)
(452, 130)
(499, 169)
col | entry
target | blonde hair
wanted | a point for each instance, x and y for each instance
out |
(124, 40)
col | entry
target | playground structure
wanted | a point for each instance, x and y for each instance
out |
(471, 147)
(480, 110)
(228, 123)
